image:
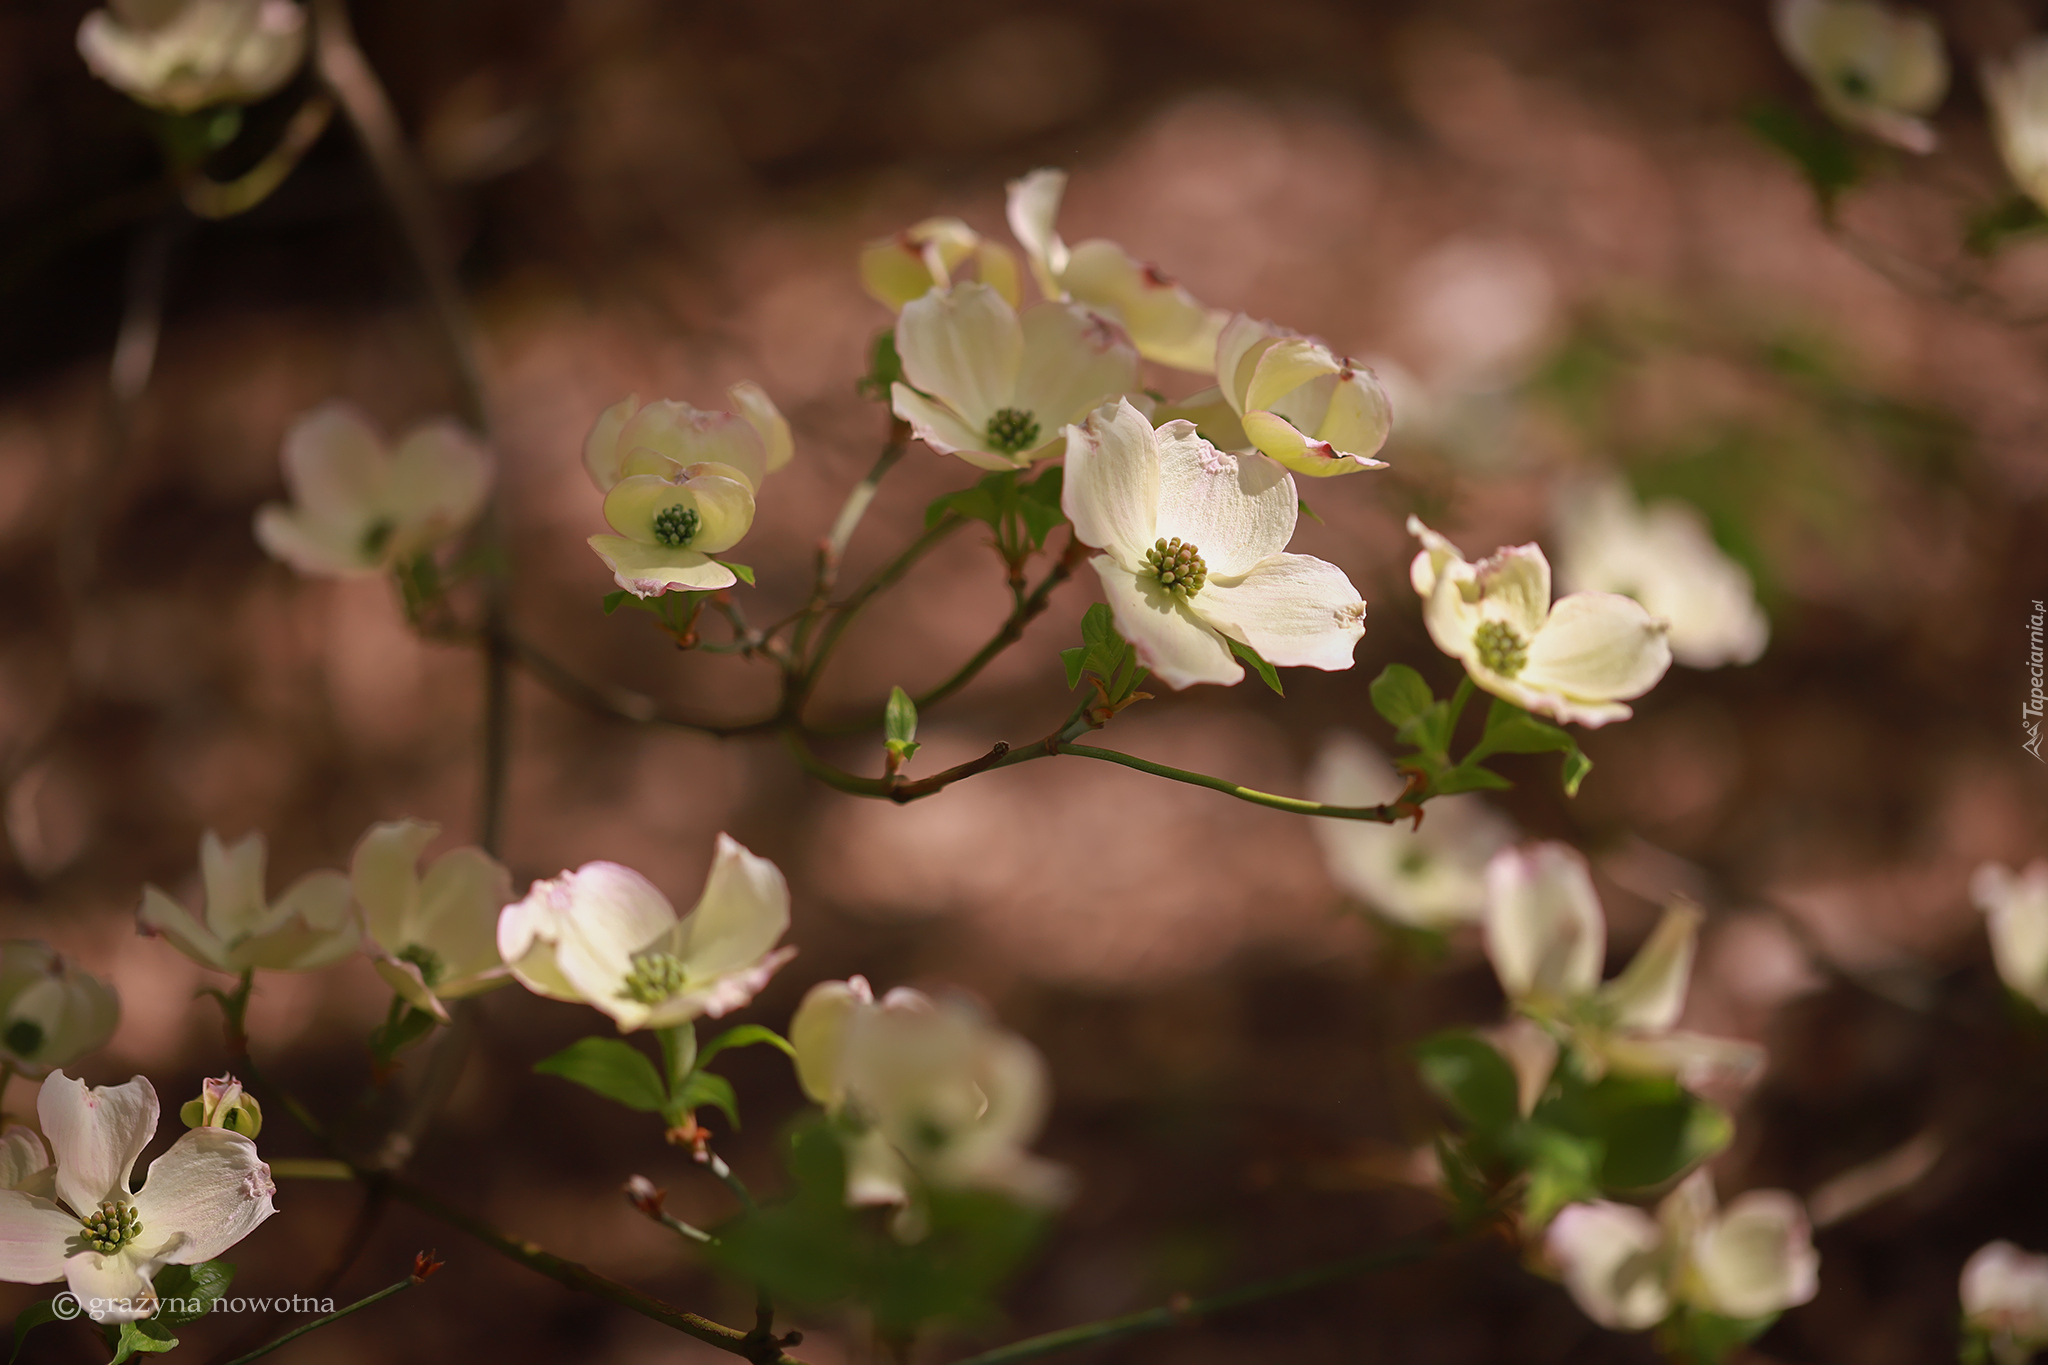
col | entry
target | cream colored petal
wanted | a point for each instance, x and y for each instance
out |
(1649, 993)
(162, 915)
(1074, 361)
(1545, 932)
(937, 425)
(1611, 1259)
(997, 266)
(335, 464)
(1531, 1053)
(1169, 640)
(650, 570)
(1239, 347)
(752, 402)
(1284, 367)
(743, 912)
(1110, 488)
(1033, 209)
(1215, 420)
(527, 932)
(1360, 414)
(384, 876)
(818, 1033)
(1275, 436)
(211, 1188)
(1428, 564)
(95, 1135)
(962, 346)
(440, 477)
(1693, 1059)
(114, 1288)
(893, 270)
(22, 1159)
(35, 1238)
(1295, 610)
(410, 985)
(1239, 509)
(690, 436)
(459, 901)
(1514, 582)
(603, 456)
(233, 878)
(609, 913)
(1758, 1257)
(1597, 647)
(316, 549)
(1166, 323)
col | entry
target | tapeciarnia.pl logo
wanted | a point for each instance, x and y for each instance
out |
(2036, 702)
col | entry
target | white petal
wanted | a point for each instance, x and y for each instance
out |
(1531, 1053)
(818, 1033)
(602, 455)
(2016, 917)
(1649, 993)
(384, 877)
(963, 347)
(1166, 323)
(650, 570)
(1074, 361)
(162, 915)
(1514, 586)
(609, 913)
(688, 436)
(114, 1288)
(1597, 646)
(315, 548)
(2004, 1290)
(1110, 488)
(527, 932)
(459, 901)
(752, 402)
(440, 476)
(1610, 1256)
(335, 465)
(1428, 564)
(1545, 932)
(1033, 208)
(1275, 436)
(743, 911)
(212, 1188)
(409, 983)
(95, 1133)
(1758, 1257)
(714, 997)
(311, 926)
(35, 1238)
(1296, 610)
(1169, 640)
(233, 878)
(1239, 509)
(938, 426)
(22, 1157)
(1238, 349)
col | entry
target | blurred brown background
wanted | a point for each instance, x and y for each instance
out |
(1556, 203)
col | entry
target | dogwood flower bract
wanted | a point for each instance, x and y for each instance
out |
(2005, 1297)
(895, 270)
(51, 1013)
(604, 936)
(432, 938)
(184, 55)
(2015, 906)
(1547, 938)
(1433, 877)
(1664, 557)
(208, 1192)
(313, 924)
(680, 484)
(994, 386)
(2016, 90)
(1628, 1270)
(359, 508)
(1165, 322)
(1873, 66)
(1194, 544)
(1575, 659)
(1316, 412)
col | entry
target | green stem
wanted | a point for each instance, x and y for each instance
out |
(832, 549)
(208, 198)
(1384, 814)
(337, 1315)
(842, 616)
(1187, 1310)
(620, 703)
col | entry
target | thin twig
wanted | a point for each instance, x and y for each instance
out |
(210, 198)
(620, 703)
(842, 616)
(417, 1277)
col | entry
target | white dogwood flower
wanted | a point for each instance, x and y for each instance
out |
(184, 55)
(2015, 906)
(1663, 556)
(2016, 89)
(2005, 1297)
(895, 270)
(432, 937)
(1547, 938)
(631, 438)
(208, 1192)
(604, 936)
(359, 508)
(1875, 67)
(51, 1013)
(313, 924)
(1316, 412)
(1165, 322)
(1628, 1270)
(1576, 659)
(993, 386)
(1433, 877)
(1194, 544)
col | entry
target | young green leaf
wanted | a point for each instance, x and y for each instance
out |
(899, 717)
(885, 367)
(613, 600)
(1511, 730)
(744, 1035)
(194, 1288)
(1259, 665)
(740, 571)
(1469, 1075)
(1400, 695)
(703, 1088)
(612, 1068)
(148, 1337)
(27, 1320)
(1823, 154)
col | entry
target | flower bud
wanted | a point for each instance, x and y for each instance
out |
(223, 1104)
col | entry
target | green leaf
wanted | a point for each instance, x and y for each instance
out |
(885, 367)
(1073, 660)
(1700, 1338)
(1822, 152)
(1511, 730)
(678, 1051)
(740, 571)
(701, 1088)
(1104, 653)
(1466, 778)
(1259, 665)
(148, 1337)
(1650, 1128)
(1562, 1170)
(30, 1318)
(1038, 505)
(613, 600)
(388, 1040)
(1400, 695)
(613, 1069)
(2014, 216)
(195, 1288)
(744, 1035)
(899, 717)
(985, 501)
(1301, 506)
(1471, 1076)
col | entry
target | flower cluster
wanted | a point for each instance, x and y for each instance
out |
(185, 55)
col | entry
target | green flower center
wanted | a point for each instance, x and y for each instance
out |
(376, 536)
(677, 526)
(1854, 84)
(1413, 862)
(1012, 430)
(23, 1038)
(112, 1226)
(427, 960)
(1500, 648)
(1179, 567)
(655, 977)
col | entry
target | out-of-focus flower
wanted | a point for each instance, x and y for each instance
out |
(994, 386)
(433, 938)
(51, 1013)
(1194, 543)
(1433, 877)
(1874, 66)
(1573, 660)
(629, 438)
(1664, 557)
(1547, 938)
(1628, 1270)
(208, 1192)
(183, 55)
(24, 1165)
(1164, 320)
(359, 508)
(2015, 906)
(604, 936)
(311, 925)
(895, 270)
(1314, 411)
(2017, 91)
(933, 1092)
(222, 1103)
(2005, 1297)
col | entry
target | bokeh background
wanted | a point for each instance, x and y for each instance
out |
(1552, 217)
